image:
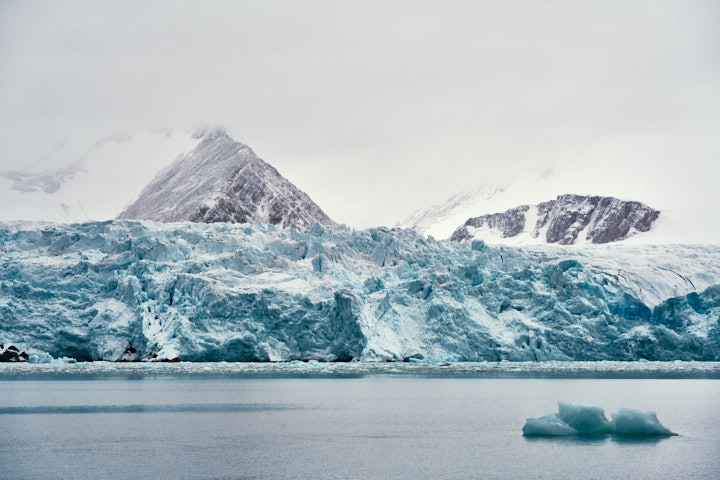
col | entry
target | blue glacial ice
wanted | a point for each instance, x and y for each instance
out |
(128, 290)
(635, 422)
(47, 358)
(584, 418)
(576, 419)
(547, 426)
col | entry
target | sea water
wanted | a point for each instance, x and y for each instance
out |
(64, 426)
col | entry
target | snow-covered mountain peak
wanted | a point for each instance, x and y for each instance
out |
(213, 178)
(222, 180)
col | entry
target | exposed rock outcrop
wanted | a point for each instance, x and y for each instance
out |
(567, 220)
(12, 354)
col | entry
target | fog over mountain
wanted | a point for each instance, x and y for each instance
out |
(378, 109)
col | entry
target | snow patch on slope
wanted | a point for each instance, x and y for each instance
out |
(95, 185)
(442, 219)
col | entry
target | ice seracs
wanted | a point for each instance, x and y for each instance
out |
(222, 180)
(129, 290)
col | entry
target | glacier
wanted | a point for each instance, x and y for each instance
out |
(139, 290)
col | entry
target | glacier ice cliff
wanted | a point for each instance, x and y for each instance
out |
(140, 290)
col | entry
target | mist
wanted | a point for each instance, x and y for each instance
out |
(379, 108)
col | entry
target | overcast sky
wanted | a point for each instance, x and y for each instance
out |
(377, 108)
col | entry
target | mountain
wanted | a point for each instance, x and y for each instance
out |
(566, 220)
(210, 292)
(77, 183)
(685, 219)
(222, 180)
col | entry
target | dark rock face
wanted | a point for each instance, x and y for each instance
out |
(222, 180)
(130, 355)
(600, 219)
(509, 223)
(12, 354)
(607, 219)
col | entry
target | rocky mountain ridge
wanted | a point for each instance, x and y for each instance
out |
(222, 180)
(567, 220)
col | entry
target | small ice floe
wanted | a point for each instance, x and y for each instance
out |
(575, 419)
(47, 358)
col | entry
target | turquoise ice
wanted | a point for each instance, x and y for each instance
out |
(129, 290)
(577, 419)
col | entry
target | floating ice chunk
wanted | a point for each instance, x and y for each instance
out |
(636, 422)
(47, 358)
(42, 358)
(64, 360)
(547, 426)
(584, 418)
(575, 419)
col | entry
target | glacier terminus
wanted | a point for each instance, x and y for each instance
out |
(141, 290)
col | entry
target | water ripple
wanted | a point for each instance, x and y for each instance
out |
(150, 408)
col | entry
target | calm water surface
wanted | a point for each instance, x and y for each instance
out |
(368, 427)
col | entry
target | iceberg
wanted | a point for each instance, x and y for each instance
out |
(576, 419)
(146, 291)
(547, 426)
(584, 418)
(636, 422)
(46, 358)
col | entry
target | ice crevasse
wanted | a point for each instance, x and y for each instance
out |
(127, 290)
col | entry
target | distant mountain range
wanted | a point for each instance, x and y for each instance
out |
(206, 176)
(212, 178)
